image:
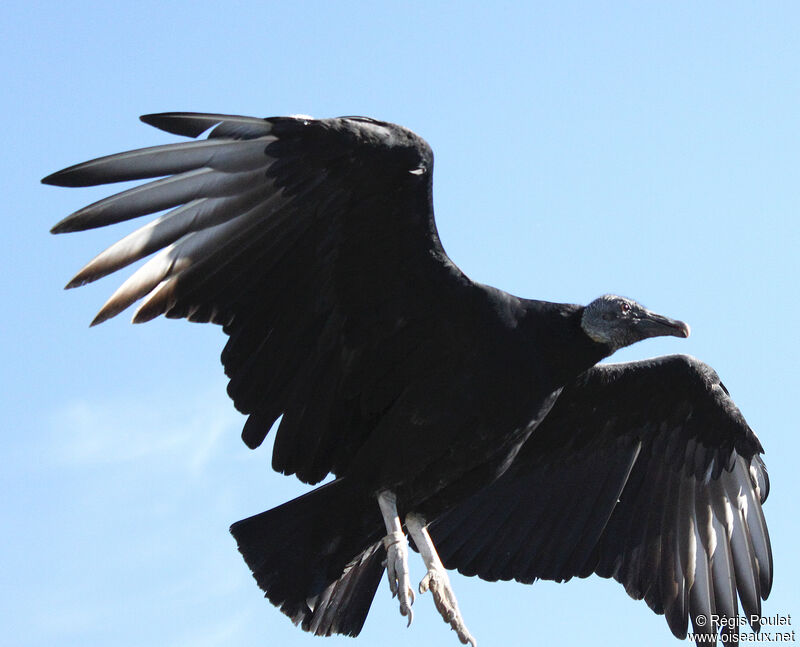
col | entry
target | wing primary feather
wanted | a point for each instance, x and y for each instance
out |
(198, 214)
(723, 574)
(701, 600)
(702, 595)
(168, 262)
(159, 161)
(741, 548)
(156, 196)
(687, 530)
(194, 124)
(757, 526)
(761, 477)
(140, 283)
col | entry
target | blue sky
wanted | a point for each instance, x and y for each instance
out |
(647, 149)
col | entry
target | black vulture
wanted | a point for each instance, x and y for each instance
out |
(475, 419)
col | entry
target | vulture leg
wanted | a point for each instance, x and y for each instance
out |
(396, 554)
(436, 579)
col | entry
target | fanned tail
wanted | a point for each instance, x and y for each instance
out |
(318, 558)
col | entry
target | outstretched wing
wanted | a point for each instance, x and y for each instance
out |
(645, 472)
(311, 241)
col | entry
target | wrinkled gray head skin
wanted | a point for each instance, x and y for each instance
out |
(619, 322)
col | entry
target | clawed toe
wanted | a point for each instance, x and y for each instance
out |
(437, 582)
(397, 572)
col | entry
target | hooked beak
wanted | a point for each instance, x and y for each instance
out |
(655, 325)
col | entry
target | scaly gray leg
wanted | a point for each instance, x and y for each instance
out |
(436, 580)
(396, 554)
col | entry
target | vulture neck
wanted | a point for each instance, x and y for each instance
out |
(555, 329)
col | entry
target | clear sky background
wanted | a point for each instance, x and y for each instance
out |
(642, 148)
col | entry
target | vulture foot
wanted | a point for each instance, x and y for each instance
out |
(397, 572)
(445, 600)
(396, 555)
(436, 581)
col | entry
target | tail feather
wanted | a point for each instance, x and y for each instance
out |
(343, 606)
(318, 557)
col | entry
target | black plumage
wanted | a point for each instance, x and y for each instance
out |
(313, 243)
(658, 470)
(645, 472)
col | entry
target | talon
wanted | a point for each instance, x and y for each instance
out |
(436, 580)
(396, 556)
